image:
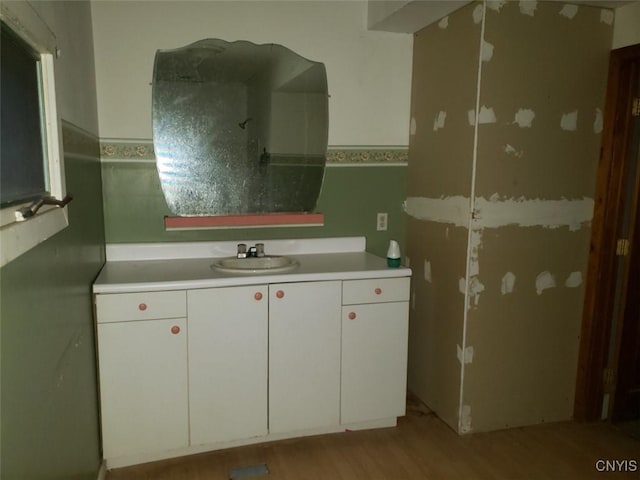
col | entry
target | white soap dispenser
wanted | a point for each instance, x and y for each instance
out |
(393, 254)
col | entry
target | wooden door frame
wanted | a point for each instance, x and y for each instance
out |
(618, 405)
(600, 288)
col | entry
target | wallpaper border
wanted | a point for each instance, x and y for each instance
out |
(142, 151)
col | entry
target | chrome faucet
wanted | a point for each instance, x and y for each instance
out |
(255, 251)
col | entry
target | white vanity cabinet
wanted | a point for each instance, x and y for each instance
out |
(374, 349)
(192, 359)
(227, 363)
(142, 355)
(304, 355)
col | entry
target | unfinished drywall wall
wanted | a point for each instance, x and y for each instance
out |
(524, 331)
(445, 74)
(553, 62)
(531, 140)
(437, 258)
(554, 66)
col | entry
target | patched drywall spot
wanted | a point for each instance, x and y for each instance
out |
(544, 281)
(427, 271)
(444, 23)
(471, 117)
(496, 212)
(487, 115)
(598, 123)
(524, 117)
(462, 285)
(569, 11)
(475, 243)
(496, 5)
(573, 280)
(487, 51)
(413, 126)
(528, 7)
(508, 283)
(477, 13)
(606, 16)
(467, 356)
(407, 261)
(465, 419)
(476, 287)
(454, 210)
(569, 121)
(511, 150)
(438, 122)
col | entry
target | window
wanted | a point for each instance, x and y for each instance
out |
(31, 164)
(22, 168)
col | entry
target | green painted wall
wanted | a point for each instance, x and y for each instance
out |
(49, 394)
(134, 207)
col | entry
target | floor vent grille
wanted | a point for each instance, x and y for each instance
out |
(250, 471)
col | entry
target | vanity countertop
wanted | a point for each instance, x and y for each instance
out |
(162, 274)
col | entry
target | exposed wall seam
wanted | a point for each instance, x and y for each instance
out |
(464, 426)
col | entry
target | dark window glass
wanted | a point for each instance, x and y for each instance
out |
(22, 158)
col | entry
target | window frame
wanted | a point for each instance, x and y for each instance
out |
(18, 237)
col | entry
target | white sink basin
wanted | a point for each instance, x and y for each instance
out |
(266, 264)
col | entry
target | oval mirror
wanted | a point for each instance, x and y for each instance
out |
(239, 128)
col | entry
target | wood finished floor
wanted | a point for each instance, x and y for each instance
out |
(421, 447)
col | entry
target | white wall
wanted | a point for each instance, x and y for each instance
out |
(626, 29)
(369, 73)
(75, 73)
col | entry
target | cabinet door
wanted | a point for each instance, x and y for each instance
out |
(227, 363)
(143, 386)
(304, 355)
(374, 361)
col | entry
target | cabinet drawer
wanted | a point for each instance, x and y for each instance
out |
(375, 290)
(121, 307)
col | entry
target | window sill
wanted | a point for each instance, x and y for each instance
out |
(19, 237)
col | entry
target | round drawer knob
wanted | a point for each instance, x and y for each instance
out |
(258, 296)
(175, 329)
(142, 307)
(280, 294)
(378, 291)
(352, 315)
